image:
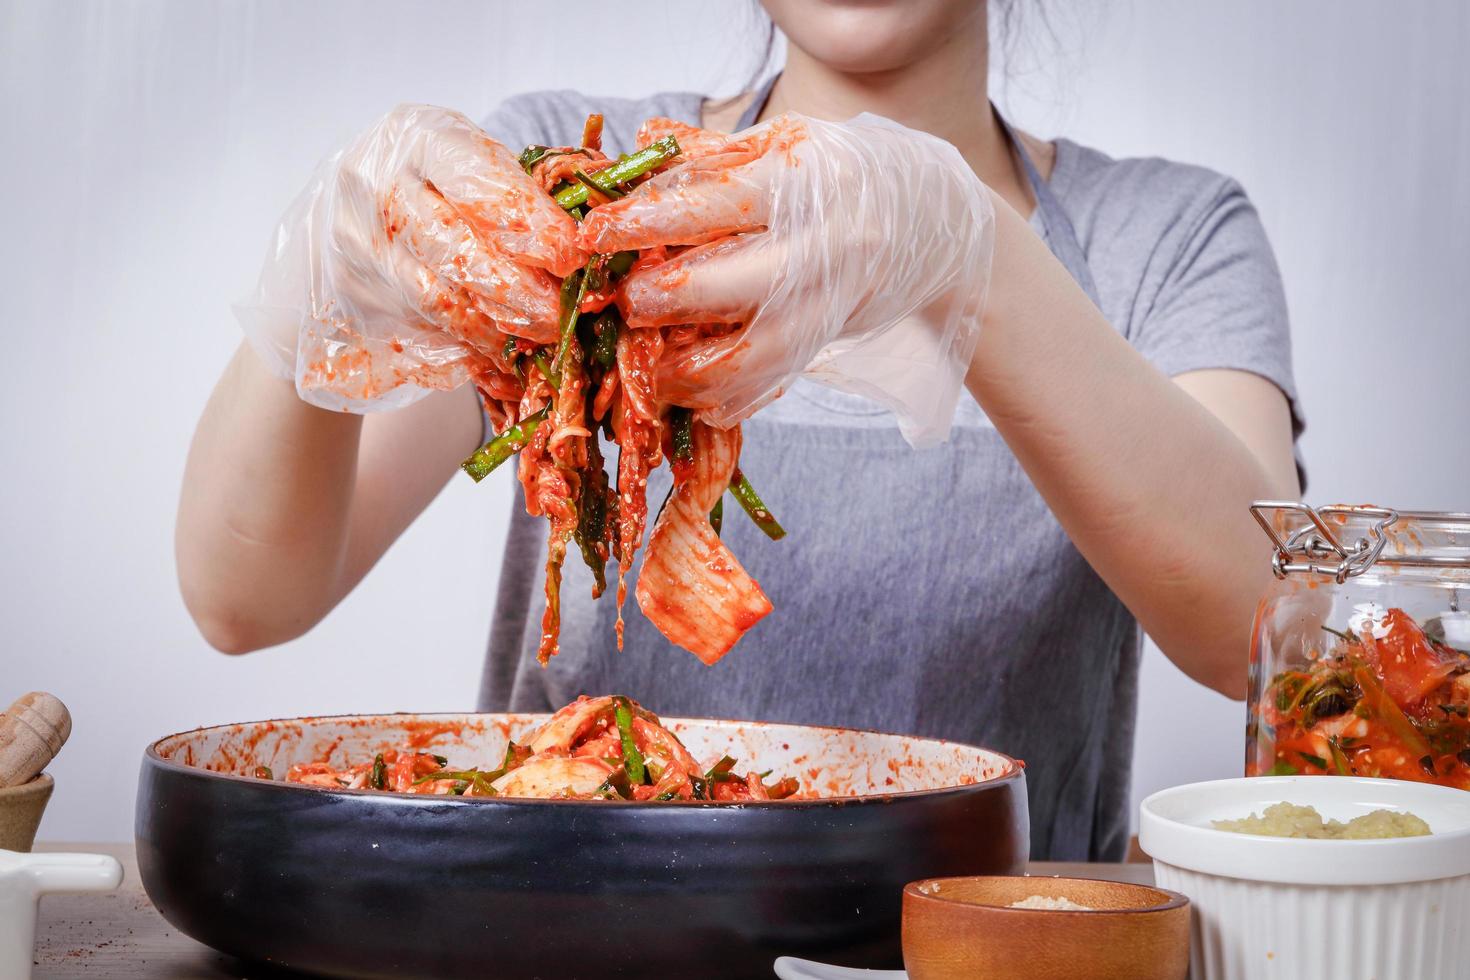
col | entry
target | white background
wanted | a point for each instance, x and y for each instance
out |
(149, 147)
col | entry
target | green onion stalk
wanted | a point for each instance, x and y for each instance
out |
(752, 504)
(515, 438)
(632, 757)
(628, 167)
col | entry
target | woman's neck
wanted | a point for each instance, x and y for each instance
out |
(944, 93)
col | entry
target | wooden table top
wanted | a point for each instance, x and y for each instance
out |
(120, 936)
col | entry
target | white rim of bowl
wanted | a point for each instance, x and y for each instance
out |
(1295, 861)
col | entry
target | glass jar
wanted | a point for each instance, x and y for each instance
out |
(1359, 662)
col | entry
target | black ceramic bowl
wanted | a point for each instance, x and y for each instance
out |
(356, 883)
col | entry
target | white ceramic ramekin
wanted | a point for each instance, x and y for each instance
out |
(1273, 907)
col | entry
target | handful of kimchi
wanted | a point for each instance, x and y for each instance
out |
(603, 748)
(554, 402)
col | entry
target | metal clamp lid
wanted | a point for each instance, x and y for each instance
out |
(1315, 548)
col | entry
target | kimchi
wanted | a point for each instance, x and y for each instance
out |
(600, 381)
(596, 748)
(1388, 697)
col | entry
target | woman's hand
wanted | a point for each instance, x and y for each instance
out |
(410, 253)
(857, 253)
(401, 267)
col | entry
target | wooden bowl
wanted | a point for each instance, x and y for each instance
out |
(963, 928)
(20, 812)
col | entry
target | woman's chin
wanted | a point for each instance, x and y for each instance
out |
(868, 37)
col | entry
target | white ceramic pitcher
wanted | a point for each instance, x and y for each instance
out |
(24, 878)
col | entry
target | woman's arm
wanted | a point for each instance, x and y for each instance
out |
(398, 264)
(286, 506)
(1151, 477)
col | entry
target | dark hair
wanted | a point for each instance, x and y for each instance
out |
(765, 47)
(1008, 25)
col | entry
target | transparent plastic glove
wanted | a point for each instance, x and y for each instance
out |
(857, 253)
(407, 259)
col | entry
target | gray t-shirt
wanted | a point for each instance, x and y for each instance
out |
(928, 592)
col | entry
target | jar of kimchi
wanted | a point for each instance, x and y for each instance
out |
(1360, 656)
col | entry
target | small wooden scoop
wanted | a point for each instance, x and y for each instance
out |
(32, 731)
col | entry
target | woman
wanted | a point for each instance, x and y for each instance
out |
(1129, 394)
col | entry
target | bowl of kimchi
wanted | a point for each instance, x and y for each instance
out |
(598, 841)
